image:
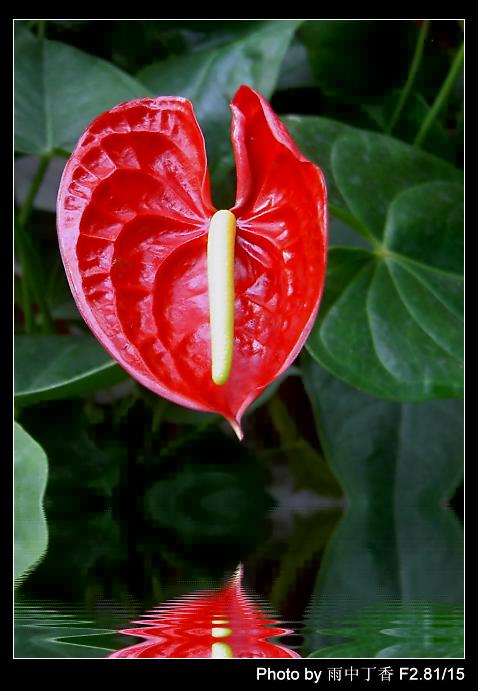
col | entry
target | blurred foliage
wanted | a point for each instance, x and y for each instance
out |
(397, 539)
(142, 493)
(397, 629)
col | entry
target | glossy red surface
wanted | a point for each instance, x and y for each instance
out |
(133, 213)
(192, 625)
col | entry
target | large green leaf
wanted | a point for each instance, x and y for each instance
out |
(59, 90)
(315, 137)
(391, 318)
(49, 367)
(210, 78)
(398, 464)
(391, 323)
(31, 532)
(371, 169)
(364, 170)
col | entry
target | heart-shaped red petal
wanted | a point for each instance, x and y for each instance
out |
(134, 209)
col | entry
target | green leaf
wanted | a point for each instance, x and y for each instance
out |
(398, 464)
(59, 90)
(52, 367)
(342, 235)
(391, 319)
(31, 532)
(355, 160)
(370, 170)
(315, 138)
(210, 78)
(391, 323)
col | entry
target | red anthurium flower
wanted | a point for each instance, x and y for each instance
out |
(204, 308)
(216, 624)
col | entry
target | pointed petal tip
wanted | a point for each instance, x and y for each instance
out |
(243, 91)
(237, 429)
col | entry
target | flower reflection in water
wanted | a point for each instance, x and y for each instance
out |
(223, 623)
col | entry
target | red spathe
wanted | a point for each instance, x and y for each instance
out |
(133, 214)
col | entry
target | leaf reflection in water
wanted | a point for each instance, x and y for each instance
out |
(222, 623)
